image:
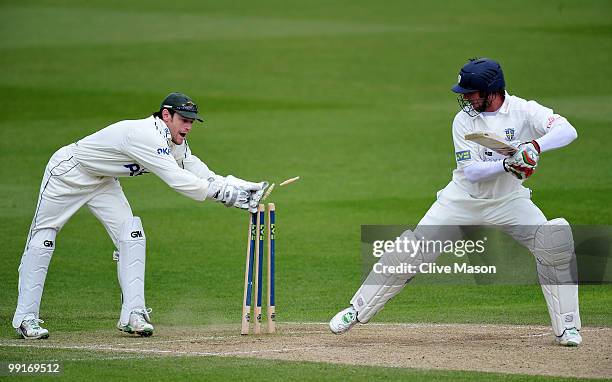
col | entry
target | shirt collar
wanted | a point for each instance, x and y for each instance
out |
(503, 109)
(163, 130)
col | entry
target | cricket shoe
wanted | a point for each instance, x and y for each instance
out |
(343, 320)
(30, 328)
(570, 337)
(139, 323)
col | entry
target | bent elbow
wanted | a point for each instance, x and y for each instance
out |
(573, 134)
(568, 131)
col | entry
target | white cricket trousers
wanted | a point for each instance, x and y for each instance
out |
(515, 213)
(519, 217)
(64, 189)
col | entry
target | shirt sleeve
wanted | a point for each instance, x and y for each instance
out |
(152, 152)
(481, 171)
(561, 134)
(551, 130)
(541, 118)
(466, 152)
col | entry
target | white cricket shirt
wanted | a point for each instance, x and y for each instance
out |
(518, 121)
(134, 147)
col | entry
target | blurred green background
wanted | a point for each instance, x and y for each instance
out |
(352, 96)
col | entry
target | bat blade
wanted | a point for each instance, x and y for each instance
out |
(493, 142)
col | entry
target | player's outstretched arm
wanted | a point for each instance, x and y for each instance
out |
(190, 162)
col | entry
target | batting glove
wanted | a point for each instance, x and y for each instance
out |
(524, 162)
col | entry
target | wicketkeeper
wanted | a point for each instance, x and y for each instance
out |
(87, 173)
(487, 189)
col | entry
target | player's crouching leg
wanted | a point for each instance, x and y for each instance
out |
(134, 318)
(32, 274)
(558, 276)
(378, 288)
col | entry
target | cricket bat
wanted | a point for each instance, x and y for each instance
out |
(493, 142)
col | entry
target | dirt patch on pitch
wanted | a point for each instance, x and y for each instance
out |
(491, 348)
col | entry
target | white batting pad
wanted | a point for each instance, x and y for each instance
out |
(557, 272)
(131, 267)
(378, 288)
(33, 272)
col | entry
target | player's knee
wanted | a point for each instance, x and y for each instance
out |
(116, 224)
(406, 251)
(43, 239)
(554, 243)
(39, 251)
(131, 230)
(132, 239)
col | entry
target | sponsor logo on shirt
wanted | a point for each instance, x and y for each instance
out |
(135, 169)
(463, 155)
(163, 150)
(509, 134)
(552, 120)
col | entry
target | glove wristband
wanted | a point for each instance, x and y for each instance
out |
(536, 145)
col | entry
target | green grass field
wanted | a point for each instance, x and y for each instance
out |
(354, 97)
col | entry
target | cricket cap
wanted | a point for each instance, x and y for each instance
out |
(181, 104)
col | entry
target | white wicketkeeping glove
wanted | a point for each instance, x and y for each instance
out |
(235, 192)
(524, 162)
(256, 195)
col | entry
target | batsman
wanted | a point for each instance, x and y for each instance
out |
(487, 189)
(87, 172)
